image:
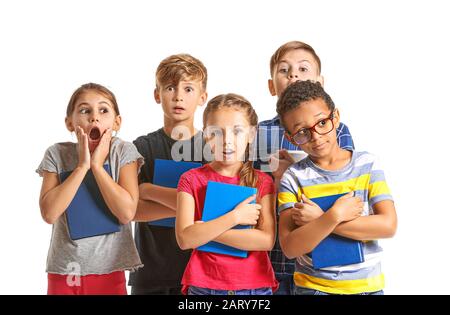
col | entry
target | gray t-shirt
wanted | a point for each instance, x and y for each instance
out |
(99, 254)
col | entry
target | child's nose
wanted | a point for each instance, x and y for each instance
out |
(94, 118)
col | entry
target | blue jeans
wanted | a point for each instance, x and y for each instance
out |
(305, 291)
(203, 291)
(286, 285)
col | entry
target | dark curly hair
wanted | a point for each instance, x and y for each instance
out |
(300, 92)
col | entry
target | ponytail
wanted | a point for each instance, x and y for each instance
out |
(247, 174)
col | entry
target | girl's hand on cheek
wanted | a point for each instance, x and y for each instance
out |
(84, 157)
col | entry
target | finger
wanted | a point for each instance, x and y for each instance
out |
(350, 194)
(248, 200)
(307, 200)
(284, 155)
(298, 205)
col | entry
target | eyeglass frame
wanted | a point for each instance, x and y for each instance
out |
(311, 130)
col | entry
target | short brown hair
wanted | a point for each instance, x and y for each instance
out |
(289, 46)
(91, 87)
(175, 68)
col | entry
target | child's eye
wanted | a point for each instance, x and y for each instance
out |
(322, 123)
(104, 110)
(84, 111)
(283, 70)
(189, 89)
(170, 88)
(237, 131)
(303, 69)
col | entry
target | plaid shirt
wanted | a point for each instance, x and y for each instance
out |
(270, 138)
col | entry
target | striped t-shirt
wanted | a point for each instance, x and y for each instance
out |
(362, 175)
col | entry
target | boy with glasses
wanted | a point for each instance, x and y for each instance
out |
(364, 213)
(291, 62)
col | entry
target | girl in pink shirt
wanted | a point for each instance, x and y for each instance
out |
(229, 128)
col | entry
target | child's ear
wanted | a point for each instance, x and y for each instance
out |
(157, 96)
(69, 124)
(252, 134)
(321, 80)
(203, 98)
(271, 87)
(337, 118)
(117, 123)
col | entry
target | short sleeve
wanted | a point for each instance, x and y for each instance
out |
(185, 184)
(49, 162)
(287, 192)
(266, 185)
(130, 154)
(378, 188)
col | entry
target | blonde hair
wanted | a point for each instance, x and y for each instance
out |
(91, 87)
(175, 68)
(247, 174)
(289, 46)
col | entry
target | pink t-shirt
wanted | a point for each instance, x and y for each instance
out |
(224, 272)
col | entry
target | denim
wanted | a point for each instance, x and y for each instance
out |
(203, 291)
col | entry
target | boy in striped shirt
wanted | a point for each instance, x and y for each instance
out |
(365, 212)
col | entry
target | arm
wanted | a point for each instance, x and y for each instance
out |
(296, 241)
(162, 195)
(383, 224)
(262, 237)
(279, 163)
(55, 197)
(122, 197)
(190, 235)
(150, 211)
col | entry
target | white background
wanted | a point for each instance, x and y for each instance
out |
(385, 65)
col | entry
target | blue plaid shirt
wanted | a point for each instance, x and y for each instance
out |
(270, 138)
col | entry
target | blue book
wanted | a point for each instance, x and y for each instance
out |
(220, 199)
(167, 173)
(88, 215)
(335, 250)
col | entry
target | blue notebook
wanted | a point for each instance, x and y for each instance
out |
(335, 250)
(88, 215)
(220, 199)
(167, 173)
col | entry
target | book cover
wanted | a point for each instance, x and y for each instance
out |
(167, 173)
(220, 199)
(335, 250)
(88, 215)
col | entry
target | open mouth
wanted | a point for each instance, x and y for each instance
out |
(95, 134)
(178, 109)
(228, 153)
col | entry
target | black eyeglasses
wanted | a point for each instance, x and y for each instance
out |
(304, 135)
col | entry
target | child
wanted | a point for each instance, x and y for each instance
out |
(310, 119)
(229, 121)
(291, 62)
(98, 262)
(180, 89)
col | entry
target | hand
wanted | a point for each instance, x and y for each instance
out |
(305, 212)
(279, 163)
(101, 152)
(84, 157)
(347, 208)
(246, 213)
